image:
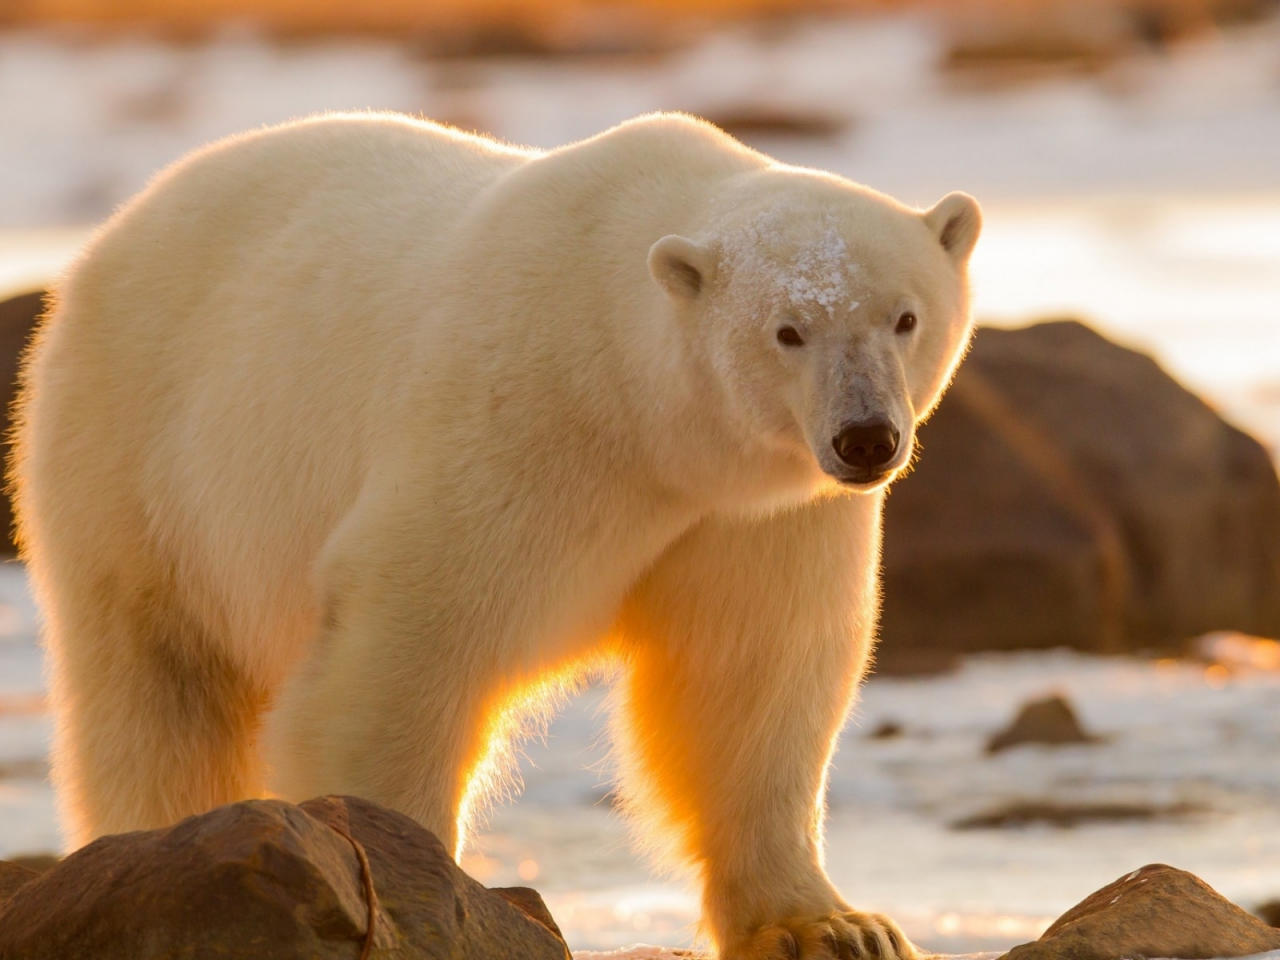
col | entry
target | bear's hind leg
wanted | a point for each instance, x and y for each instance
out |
(153, 723)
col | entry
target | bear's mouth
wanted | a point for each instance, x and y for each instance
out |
(863, 480)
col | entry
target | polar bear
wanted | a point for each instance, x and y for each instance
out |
(349, 439)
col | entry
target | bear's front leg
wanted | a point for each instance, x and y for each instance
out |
(748, 640)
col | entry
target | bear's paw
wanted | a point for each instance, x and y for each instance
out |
(846, 935)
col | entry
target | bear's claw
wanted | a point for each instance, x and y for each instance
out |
(837, 936)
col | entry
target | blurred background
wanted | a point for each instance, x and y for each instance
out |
(1095, 516)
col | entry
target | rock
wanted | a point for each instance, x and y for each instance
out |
(1156, 911)
(12, 876)
(269, 879)
(1270, 913)
(39, 862)
(1024, 813)
(1083, 35)
(441, 910)
(887, 730)
(1050, 721)
(530, 902)
(760, 124)
(1070, 493)
(919, 662)
(18, 317)
(31, 768)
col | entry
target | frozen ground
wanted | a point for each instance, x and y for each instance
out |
(1175, 734)
(1145, 197)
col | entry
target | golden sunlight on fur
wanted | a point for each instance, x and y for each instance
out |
(522, 715)
(353, 443)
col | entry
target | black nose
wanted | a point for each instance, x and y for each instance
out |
(866, 444)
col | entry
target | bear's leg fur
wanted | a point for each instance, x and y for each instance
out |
(153, 723)
(407, 695)
(746, 643)
(415, 745)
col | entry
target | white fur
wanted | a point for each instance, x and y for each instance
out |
(386, 430)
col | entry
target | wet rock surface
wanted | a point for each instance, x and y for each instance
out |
(1069, 492)
(1156, 911)
(268, 879)
(1051, 721)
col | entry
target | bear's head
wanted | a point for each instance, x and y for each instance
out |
(831, 316)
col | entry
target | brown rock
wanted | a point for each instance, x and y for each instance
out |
(1083, 35)
(1270, 913)
(529, 901)
(259, 875)
(758, 124)
(39, 862)
(1050, 721)
(887, 730)
(1070, 493)
(267, 879)
(1023, 813)
(18, 318)
(440, 911)
(1157, 911)
(12, 876)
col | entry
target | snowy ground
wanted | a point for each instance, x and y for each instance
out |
(1176, 736)
(1145, 197)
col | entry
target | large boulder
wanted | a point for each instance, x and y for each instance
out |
(1069, 492)
(268, 879)
(1156, 911)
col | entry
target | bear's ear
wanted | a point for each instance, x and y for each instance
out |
(956, 220)
(680, 266)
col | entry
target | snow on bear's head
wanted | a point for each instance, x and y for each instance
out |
(832, 316)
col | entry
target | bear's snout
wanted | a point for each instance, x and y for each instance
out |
(866, 445)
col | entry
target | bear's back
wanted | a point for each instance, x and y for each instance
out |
(231, 329)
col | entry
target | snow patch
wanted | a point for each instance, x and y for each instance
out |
(768, 265)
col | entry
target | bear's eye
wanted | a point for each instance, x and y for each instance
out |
(789, 336)
(906, 323)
